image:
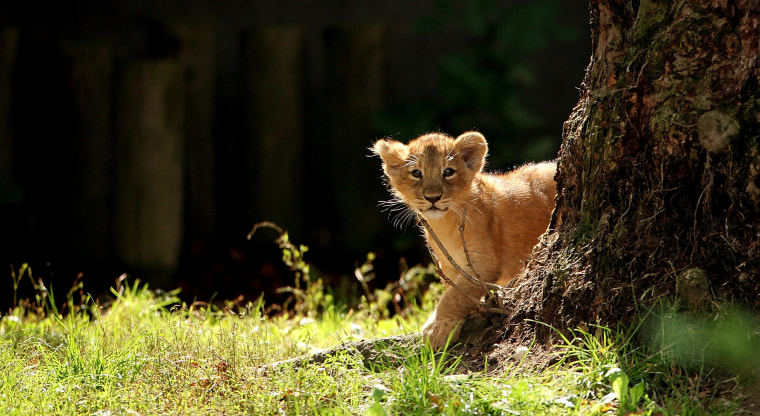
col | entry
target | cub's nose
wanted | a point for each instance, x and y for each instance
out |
(433, 198)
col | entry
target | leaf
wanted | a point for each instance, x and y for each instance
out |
(376, 410)
(620, 386)
(619, 381)
(636, 393)
(379, 392)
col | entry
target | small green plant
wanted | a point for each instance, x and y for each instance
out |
(310, 295)
(16, 277)
(416, 285)
(602, 356)
(628, 398)
(44, 297)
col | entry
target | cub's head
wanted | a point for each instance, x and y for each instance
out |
(434, 173)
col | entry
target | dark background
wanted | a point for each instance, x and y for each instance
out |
(148, 137)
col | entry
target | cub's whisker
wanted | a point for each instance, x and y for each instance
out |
(399, 212)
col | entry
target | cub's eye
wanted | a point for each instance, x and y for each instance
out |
(448, 172)
(417, 173)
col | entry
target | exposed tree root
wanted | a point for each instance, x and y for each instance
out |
(479, 333)
(374, 353)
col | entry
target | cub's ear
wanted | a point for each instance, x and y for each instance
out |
(472, 148)
(393, 153)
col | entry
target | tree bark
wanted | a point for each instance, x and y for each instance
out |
(657, 174)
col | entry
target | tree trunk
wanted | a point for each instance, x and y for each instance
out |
(657, 175)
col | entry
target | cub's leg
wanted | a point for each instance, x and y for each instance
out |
(448, 316)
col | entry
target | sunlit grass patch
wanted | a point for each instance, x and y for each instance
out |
(147, 352)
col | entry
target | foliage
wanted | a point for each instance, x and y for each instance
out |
(727, 338)
(312, 298)
(480, 84)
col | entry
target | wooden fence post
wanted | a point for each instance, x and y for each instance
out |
(273, 79)
(150, 151)
(198, 54)
(356, 83)
(89, 78)
(8, 44)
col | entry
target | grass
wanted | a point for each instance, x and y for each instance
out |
(146, 353)
(141, 356)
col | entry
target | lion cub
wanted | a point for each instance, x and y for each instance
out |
(439, 177)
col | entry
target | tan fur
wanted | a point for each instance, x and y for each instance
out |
(506, 213)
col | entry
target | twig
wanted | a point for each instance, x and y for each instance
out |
(267, 224)
(446, 279)
(469, 277)
(487, 287)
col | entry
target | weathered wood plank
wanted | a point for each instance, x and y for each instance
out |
(273, 79)
(8, 46)
(356, 82)
(197, 53)
(150, 151)
(89, 78)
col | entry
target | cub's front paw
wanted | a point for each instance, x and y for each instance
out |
(437, 330)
